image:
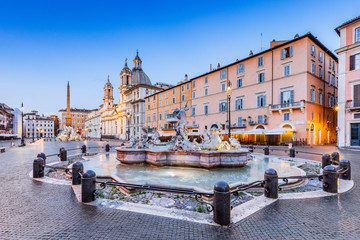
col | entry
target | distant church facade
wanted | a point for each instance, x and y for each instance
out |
(124, 119)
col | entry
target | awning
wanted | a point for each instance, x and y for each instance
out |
(167, 134)
(278, 131)
(194, 134)
(255, 131)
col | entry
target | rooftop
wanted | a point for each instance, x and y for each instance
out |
(346, 23)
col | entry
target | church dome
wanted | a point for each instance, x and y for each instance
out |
(138, 76)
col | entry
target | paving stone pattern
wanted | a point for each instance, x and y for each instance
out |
(35, 210)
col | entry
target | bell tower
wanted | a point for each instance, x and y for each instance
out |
(108, 94)
(125, 76)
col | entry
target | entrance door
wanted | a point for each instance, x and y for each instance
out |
(355, 134)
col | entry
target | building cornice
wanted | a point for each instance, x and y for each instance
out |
(348, 48)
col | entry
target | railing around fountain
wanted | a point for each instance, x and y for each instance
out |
(221, 204)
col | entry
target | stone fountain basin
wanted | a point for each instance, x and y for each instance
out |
(204, 159)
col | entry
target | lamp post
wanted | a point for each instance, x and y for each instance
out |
(33, 135)
(100, 133)
(228, 90)
(22, 143)
(128, 117)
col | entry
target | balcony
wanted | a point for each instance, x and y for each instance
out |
(352, 105)
(236, 126)
(171, 118)
(252, 123)
(288, 106)
(168, 128)
(193, 126)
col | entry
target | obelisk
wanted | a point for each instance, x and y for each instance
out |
(68, 115)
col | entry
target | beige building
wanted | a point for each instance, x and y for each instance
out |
(78, 117)
(284, 94)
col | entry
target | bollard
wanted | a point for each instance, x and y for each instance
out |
(83, 149)
(221, 203)
(266, 150)
(107, 147)
(251, 148)
(330, 180)
(325, 160)
(345, 165)
(292, 152)
(63, 154)
(77, 170)
(43, 156)
(88, 186)
(38, 168)
(271, 183)
(335, 157)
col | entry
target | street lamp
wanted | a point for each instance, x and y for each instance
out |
(33, 135)
(100, 132)
(228, 90)
(22, 143)
(128, 117)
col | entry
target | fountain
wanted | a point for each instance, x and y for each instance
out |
(210, 153)
(68, 134)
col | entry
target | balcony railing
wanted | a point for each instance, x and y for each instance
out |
(171, 118)
(167, 128)
(287, 105)
(193, 125)
(353, 105)
(264, 122)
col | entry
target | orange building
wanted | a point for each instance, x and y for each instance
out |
(284, 94)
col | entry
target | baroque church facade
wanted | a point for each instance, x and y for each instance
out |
(126, 118)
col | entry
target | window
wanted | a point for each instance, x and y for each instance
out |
(182, 88)
(239, 82)
(159, 95)
(260, 119)
(330, 101)
(153, 104)
(159, 103)
(330, 63)
(173, 99)
(206, 91)
(313, 68)
(160, 116)
(321, 96)
(260, 61)
(154, 117)
(357, 34)
(312, 95)
(334, 66)
(223, 106)
(261, 77)
(240, 122)
(206, 80)
(329, 78)
(183, 97)
(356, 94)
(319, 117)
(239, 104)
(287, 52)
(286, 97)
(286, 117)
(173, 90)
(261, 101)
(206, 109)
(193, 94)
(313, 50)
(154, 97)
(223, 87)
(166, 93)
(223, 74)
(320, 56)
(287, 69)
(333, 80)
(193, 110)
(193, 84)
(320, 72)
(312, 116)
(187, 86)
(240, 68)
(355, 62)
(166, 102)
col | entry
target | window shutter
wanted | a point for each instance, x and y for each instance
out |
(292, 96)
(219, 107)
(357, 92)
(264, 100)
(226, 107)
(352, 62)
(257, 101)
(282, 97)
(282, 53)
(291, 51)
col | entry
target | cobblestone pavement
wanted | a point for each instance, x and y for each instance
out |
(35, 210)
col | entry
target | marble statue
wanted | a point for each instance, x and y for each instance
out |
(68, 134)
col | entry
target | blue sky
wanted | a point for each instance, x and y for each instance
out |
(44, 44)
